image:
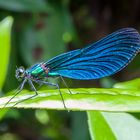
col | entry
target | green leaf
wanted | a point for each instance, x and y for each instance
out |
(123, 125)
(112, 99)
(98, 127)
(24, 5)
(113, 126)
(133, 84)
(5, 36)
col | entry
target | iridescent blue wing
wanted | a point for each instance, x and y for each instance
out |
(103, 58)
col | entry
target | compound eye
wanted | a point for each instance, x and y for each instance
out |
(21, 70)
(20, 73)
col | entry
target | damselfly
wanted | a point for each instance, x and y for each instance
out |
(103, 58)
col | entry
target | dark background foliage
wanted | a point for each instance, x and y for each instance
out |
(43, 29)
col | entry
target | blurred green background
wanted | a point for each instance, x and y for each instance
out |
(43, 29)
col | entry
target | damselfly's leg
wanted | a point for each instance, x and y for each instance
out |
(65, 84)
(18, 90)
(52, 84)
(33, 87)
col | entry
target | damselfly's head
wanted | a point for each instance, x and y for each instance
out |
(20, 73)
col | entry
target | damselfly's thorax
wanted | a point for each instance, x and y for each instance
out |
(38, 71)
